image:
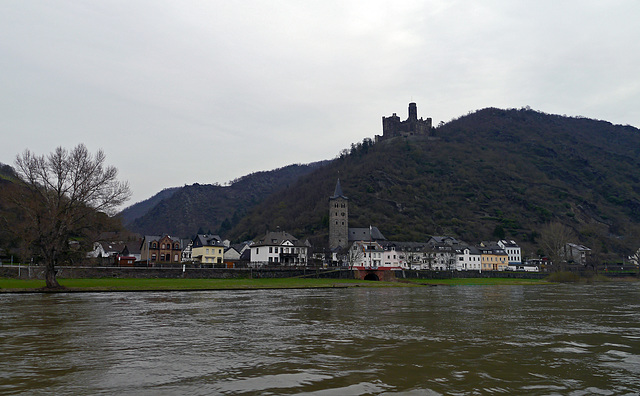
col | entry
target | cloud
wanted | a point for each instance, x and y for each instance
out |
(192, 91)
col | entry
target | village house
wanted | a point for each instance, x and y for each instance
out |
(493, 257)
(576, 253)
(207, 249)
(513, 251)
(442, 257)
(366, 255)
(160, 249)
(468, 258)
(279, 248)
(233, 254)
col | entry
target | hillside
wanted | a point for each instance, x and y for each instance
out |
(488, 174)
(139, 209)
(206, 208)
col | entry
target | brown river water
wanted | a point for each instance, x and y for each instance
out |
(453, 340)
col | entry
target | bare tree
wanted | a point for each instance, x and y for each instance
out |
(63, 191)
(553, 239)
(355, 255)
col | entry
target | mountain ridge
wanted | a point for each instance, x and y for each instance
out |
(487, 173)
(206, 208)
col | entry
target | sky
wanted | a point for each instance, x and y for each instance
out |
(183, 92)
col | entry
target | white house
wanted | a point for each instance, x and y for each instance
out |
(442, 257)
(467, 258)
(366, 254)
(97, 251)
(279, 248)
(392, 258)
(106, 249)
(513, 251)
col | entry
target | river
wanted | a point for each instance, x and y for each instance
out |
(460, 340)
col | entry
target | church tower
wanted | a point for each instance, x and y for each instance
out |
(338, 219)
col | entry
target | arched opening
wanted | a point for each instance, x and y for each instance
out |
(371, 277)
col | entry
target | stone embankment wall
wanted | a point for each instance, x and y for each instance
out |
(37, 272)
(413, 274)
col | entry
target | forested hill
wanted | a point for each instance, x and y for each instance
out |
(207, 208)
(139, 209)
(489, 174)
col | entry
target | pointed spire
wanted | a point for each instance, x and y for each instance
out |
(338, 191)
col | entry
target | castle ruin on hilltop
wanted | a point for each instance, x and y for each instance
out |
(393, 127)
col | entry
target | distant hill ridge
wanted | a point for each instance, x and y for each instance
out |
(208, 208)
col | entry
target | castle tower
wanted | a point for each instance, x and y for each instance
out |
(413, 112)
(338, 219)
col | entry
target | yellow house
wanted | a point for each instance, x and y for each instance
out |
(493, 258)
(208, 249)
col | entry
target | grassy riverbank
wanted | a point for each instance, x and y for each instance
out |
(117, 284)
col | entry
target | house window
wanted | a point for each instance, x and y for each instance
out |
(162, 247)
(153, 256)
(270, 249)
(162, 257)
(154, 245)
(276, 250)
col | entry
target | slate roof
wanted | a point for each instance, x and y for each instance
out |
(277, 238)
(405, 246)
(508, 243)
(365, 234)
(150, 238)
(206, 240)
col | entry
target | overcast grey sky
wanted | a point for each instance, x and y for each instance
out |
(179, 92)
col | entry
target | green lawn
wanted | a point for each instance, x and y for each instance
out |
(117, 284)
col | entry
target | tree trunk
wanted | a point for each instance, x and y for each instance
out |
(50, 276)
